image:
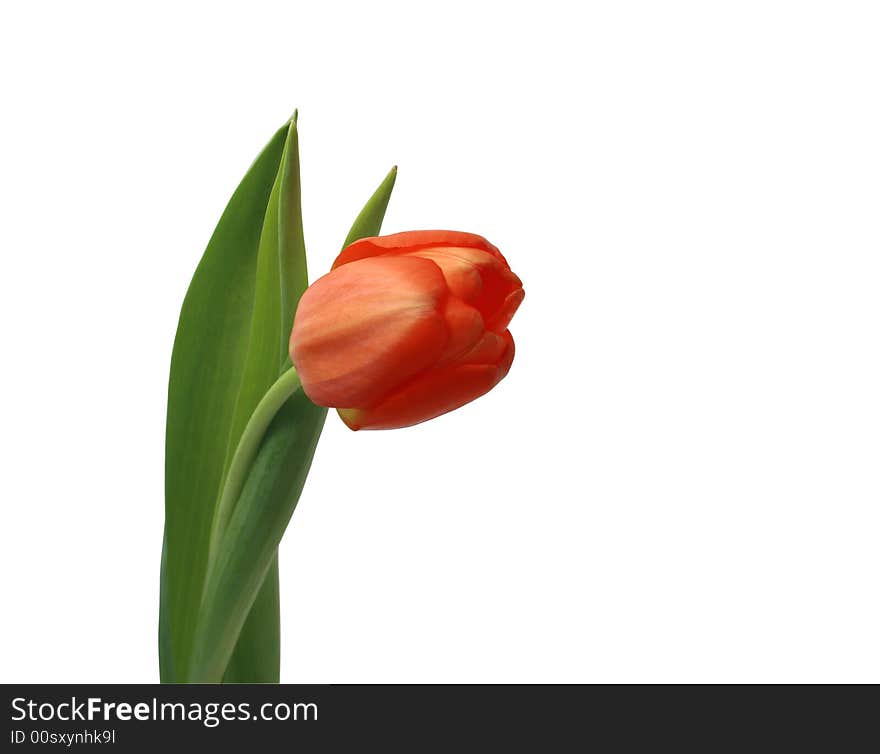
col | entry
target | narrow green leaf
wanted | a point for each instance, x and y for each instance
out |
(166, 655)
(251, 539)
(369, 221)
(257, 654)
(207, 364)
(261, 363)
(274, 483)
(291, 240)
(281, 279)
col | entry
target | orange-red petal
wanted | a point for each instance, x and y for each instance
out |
(475, 276)
(364, 329)
(434, 393)
(413, 240)
(465, 325)
(501, 319)
(490, 349)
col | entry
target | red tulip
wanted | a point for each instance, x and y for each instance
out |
(406, 327)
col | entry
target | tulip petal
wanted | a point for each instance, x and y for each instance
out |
(412, 240)
(488, 350)
(502, 317)
(363, 330)
(465, 326)
(461, 269)
(432, 394)
(479, 279)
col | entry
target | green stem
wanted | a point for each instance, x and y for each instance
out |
(285, 386)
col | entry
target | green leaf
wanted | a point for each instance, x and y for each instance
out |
(281, 279)
(369, 221)
(257, 654)
(249, 542)
(291, 240)
(207, 366)
(166, 655)
(251, 539)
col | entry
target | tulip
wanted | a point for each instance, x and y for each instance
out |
(406, 327)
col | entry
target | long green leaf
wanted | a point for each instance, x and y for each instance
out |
(270, 494)
(207, 365)
(281, 279)
(257, 654)
(291, 240)
(369, 221)
(166, 654)
(251, 539)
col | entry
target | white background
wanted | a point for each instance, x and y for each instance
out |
(678, 481)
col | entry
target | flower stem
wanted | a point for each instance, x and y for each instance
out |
(285, 386)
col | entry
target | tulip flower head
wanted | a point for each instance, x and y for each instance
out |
(406, 327)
